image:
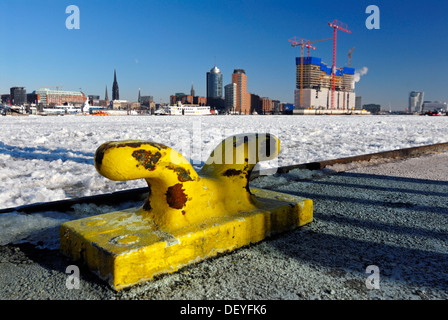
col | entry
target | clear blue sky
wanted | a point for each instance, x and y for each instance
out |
(164, 46)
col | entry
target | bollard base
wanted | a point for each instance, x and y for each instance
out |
(125, 249)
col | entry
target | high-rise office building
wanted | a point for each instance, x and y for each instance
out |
(416, 101)
(214, 84)
(230, 97)
(115, 90)
(242, 96)
(358, 103)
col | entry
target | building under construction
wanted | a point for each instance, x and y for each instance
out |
(314, 83)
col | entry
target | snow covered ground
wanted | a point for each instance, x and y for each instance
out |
(51, 158)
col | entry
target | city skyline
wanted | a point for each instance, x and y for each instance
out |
(163, 55)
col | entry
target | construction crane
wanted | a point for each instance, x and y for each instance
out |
(336, 25)
(350, 57)
(303, 44)
(57, 87)
(311, 42)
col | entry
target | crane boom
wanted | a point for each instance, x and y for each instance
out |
(321, 40)
(303, 43)
(57, 87)
(350, 57)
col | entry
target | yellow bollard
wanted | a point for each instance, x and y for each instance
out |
(189, 216)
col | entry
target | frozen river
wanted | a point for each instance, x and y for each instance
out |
(51, 158)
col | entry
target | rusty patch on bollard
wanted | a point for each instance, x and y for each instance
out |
(147, 159)
(175, 196)
(139, 144)
(232, 172)
(182, 173)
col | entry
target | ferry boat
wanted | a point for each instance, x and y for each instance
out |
(187, 110)
(434, 113)
(62, 110)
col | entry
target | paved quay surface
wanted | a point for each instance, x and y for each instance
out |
(390, 214)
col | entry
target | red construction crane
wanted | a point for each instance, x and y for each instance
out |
(310, 42)
(336, 25)
(350, 57)
(303, 43)
(57, 87)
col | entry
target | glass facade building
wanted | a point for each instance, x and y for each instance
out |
(230, 97)
(18, 96)
(416, 101)
(214, 83)
(145, 98)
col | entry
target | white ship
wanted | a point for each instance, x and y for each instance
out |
(62, 110)
(187, 110)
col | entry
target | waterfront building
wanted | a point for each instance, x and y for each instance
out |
(182, 97)
(230, 97)
(358, 103)
(18, 96)
(144, 99)
(214, 83)
(5, 98)
(239, 77)
(32, 98)
(50, 97)
(256, 106)
(188, 99)
(276, 106)
(267, 105)
(214, 88)
(416, 102)
(372, 108)
(121, 105)
(314, 83)
(435, 105)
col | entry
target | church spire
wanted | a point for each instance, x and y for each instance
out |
(106, 96)
(115, 90)
(192, 90)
